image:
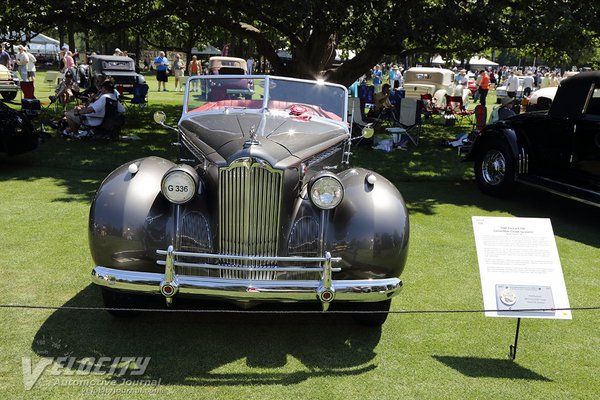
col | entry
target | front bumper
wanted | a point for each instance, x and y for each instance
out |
(325, 290)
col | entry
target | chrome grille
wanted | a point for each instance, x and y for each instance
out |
(194, 236)
(304, 241)
(249, 207)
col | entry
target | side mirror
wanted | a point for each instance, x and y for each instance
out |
(160, 117)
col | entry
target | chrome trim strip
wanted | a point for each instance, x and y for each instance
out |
(368, 290)
(559, 193)
(251, 259)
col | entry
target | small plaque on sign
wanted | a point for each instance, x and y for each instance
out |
(524, 297)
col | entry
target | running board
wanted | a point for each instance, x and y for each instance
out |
(587, 196)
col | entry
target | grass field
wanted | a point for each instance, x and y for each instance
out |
(44, 205)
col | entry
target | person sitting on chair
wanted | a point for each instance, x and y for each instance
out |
(92, 115)
(382, 102)
(67, 90)
(505, 111)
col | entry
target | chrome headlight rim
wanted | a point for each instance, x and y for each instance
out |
(179, 184)
(320, 181)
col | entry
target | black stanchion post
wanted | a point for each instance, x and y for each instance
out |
(513, 347)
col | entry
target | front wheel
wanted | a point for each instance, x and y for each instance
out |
(372, 314)
(495, 168)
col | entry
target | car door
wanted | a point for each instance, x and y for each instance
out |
(585, 159)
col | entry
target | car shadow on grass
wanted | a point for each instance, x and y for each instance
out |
(214, 349)
(570, 219)
(475, 367)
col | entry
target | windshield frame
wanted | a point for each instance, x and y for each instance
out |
(268, 79)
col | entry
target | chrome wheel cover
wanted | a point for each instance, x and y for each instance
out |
(493, 167)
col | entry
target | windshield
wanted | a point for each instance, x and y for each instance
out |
(294, 96)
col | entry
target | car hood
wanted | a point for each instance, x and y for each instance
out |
(281, 140)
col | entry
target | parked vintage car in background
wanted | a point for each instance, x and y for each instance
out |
(261, 207)
(17, 133)
(121, 69)
(434, 81)
(9, 84)
(502, 92)
(557, 150)
(231, 87)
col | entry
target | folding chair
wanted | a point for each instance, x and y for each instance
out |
(139, 96)
(455, 106)
(480, 113)
(27, 90)
(366, 94)
(429, 107)
(356, 115)
(111, 124)
(51, 78)
(410, 118)
(30, 105)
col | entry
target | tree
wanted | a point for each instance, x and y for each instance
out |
(314, 29)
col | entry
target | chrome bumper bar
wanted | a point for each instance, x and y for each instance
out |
(324, 290)
(287, 291)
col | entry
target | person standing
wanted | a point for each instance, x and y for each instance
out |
(194, 69)
(377, 76)
(512, 85)
(4, 56)
(69, 62)
(250, 65)
(30, 65)
(528, 84)
(483, 86)
(22, 61)
(178, 71)
(161, 63)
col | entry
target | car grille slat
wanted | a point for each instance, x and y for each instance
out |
(249, 203)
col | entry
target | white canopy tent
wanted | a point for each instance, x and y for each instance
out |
(438, 60)
(44, 44)
(482, 62)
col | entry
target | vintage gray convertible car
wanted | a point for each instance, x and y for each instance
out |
(262, 207)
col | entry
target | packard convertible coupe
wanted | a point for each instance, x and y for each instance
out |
(557, 150)
(261, 207)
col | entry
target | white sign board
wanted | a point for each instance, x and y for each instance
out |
(520, 268)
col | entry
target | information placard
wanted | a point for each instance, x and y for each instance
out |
(520, 268)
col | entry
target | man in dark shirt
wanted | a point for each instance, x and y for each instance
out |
(4, 56)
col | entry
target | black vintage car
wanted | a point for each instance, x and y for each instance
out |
(261, 207)
(17, 133)
(557, 150)
(121, 69)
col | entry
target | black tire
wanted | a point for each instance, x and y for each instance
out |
(121, 301)
(9, 95)
(495, 168)
(373, 319)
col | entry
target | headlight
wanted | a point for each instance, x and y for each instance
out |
(326, 192)
(179, 184)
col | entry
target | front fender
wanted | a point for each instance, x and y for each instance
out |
(501, 130)
(370, 228)
(129, 217)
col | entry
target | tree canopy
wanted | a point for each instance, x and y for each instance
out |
(559, 30)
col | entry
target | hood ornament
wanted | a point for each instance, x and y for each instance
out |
(253, 141)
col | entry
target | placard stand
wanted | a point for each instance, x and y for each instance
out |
(513, 347)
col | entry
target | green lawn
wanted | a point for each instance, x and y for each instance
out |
(44, 205)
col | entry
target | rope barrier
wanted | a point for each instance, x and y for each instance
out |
(169, 310)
